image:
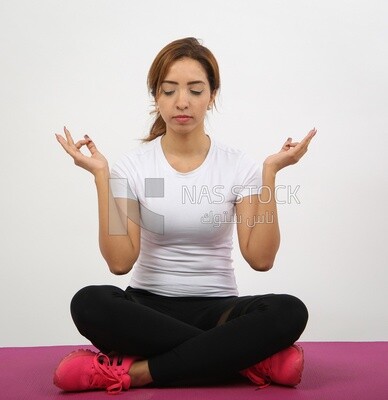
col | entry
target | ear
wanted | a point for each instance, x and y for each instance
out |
(213, 96)
(156, 105)
(212, 100)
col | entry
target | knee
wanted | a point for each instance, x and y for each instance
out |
(87, 302)
(296, 313)
(81, 301)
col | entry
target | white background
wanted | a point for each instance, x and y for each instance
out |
(286, 66)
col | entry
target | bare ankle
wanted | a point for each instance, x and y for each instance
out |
(140, 374)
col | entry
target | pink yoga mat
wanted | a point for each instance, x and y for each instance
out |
(333, 371)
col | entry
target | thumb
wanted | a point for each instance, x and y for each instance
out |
(287, 144)
(91, 146)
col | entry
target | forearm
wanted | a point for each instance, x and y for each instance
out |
(116, 246)
(264, 239)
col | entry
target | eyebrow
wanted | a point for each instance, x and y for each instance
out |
(189, 83)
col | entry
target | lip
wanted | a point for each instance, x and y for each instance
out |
(182, 118)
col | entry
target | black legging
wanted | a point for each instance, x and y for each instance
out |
(188, 338)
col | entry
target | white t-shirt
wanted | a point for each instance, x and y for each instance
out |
(187, 219)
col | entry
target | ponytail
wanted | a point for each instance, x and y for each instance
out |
(158, 128)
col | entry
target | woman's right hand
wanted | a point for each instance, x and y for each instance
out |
(95, 163)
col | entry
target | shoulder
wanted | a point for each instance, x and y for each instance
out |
(226, 149)
(233, 154)
(142, 150)
(135, 156)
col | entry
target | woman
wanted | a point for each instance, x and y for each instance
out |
(166, 209)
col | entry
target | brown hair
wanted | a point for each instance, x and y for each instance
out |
(176, 50)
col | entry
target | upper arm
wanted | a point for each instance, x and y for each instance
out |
(129, 212)
(126, 203)
(246, 210)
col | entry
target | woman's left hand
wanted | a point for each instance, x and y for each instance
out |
(290, 153)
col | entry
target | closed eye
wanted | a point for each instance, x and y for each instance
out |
(171, 92)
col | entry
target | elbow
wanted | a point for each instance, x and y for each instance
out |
(120, 265)
(262, 267)
(262, 264)
(120, 268)
(117, 269)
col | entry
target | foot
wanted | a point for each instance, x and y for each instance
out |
(140, 374)
(86, 370)
(283, 368)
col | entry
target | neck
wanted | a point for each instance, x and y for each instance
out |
(185, 144)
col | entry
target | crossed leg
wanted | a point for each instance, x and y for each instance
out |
(186, 339)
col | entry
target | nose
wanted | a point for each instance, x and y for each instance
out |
(182, 100)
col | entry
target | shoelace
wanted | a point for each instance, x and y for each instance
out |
(106, 373)
(260, 375)
(266, 369)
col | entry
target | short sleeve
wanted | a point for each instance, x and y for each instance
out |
(249, 179)
(121, 182)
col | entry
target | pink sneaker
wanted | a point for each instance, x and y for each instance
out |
(86, 370)
(283, 368)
